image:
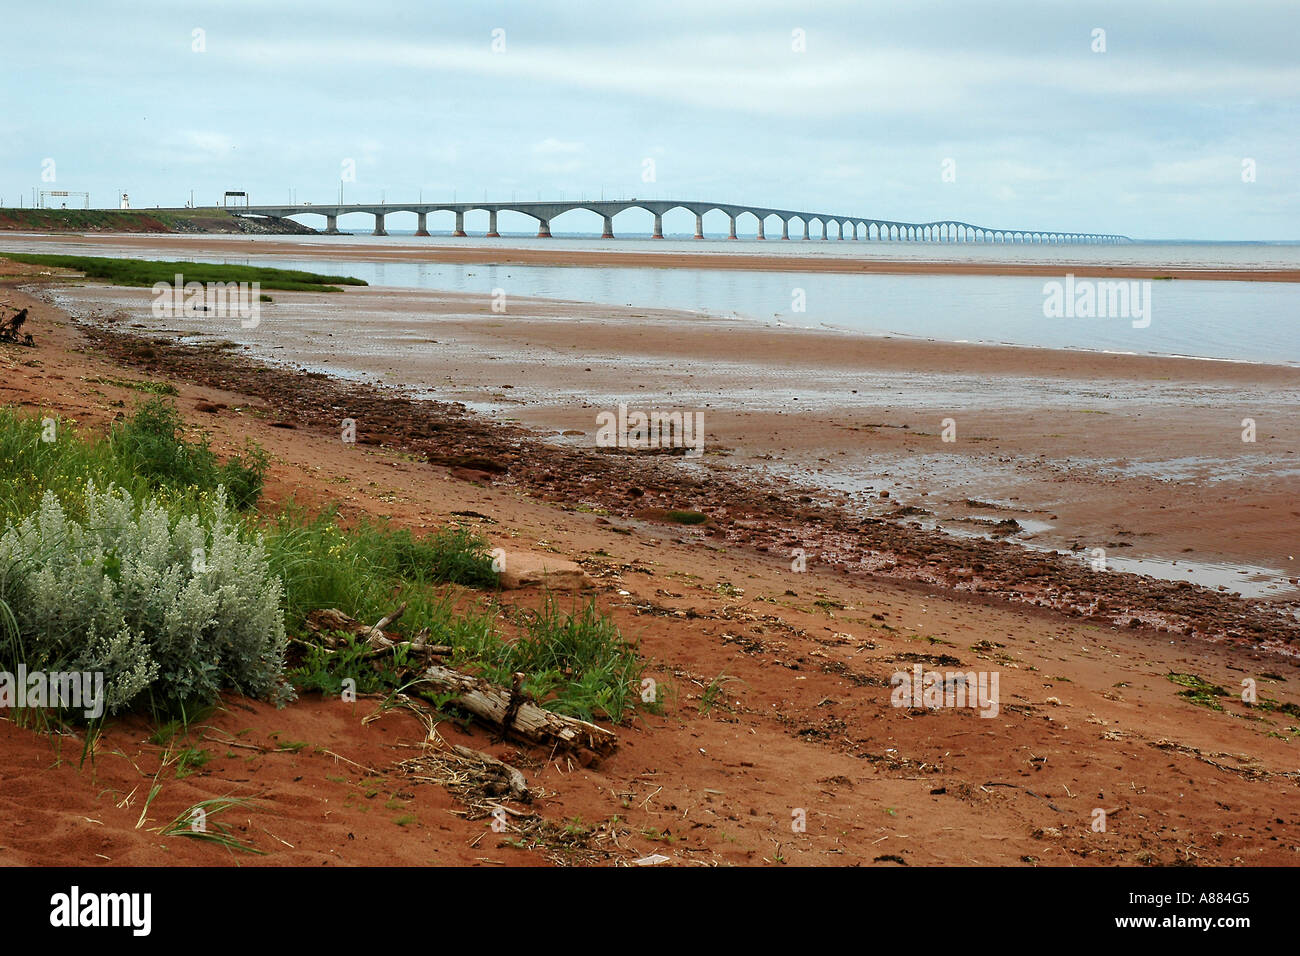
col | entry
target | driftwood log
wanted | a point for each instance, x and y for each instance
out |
(506, 708)
(330, 621)
(509, 710)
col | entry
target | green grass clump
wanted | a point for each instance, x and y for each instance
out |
(576, 663)
(1199, 690)
(197, 823)
(361, 570)
(145, 454)
(146, 272)
(151, 444)
(325, 671)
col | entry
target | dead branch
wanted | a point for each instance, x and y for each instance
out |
(496, 705)
(329, 622)
(511, 778)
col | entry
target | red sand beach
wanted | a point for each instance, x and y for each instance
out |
(1089, 718)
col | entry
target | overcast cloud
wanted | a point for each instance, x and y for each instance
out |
(1147, 138)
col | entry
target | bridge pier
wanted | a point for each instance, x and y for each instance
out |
(699, 225)
(733, 228)
(609, 228)
(379, 225)
(331, 225)
(825, 234)
(785, 228)
(422, 228)
(659, 226)
(841, 225)
(805, 230)
(761, 235)
(543, 229)
(460, 224)
(492, 225)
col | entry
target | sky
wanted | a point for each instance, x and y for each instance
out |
(1178, 120)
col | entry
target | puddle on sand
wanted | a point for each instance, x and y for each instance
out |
(1249, 581)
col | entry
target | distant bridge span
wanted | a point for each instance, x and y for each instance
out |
(943, 230)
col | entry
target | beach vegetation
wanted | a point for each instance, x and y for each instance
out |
(146, 453)
(141, 554)
(1199, 691)
(170, 610)
(147, 272)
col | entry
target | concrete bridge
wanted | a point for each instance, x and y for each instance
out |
(808, 223)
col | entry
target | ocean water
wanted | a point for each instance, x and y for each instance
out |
(1238, 320)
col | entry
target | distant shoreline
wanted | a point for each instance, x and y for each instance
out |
(198, 221)
(623, 258)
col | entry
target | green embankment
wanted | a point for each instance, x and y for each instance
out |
(145, 272)
(204, 220)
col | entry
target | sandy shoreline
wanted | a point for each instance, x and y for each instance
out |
(561, 256)
(1140, 455)
(1091, 715)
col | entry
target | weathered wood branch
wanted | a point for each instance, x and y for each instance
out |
(502, 708)
(328, 622)
(510, 778)
(375, 636)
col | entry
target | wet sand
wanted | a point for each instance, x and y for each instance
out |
(1140, 456)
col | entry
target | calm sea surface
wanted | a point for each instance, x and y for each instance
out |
(1251, 321)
